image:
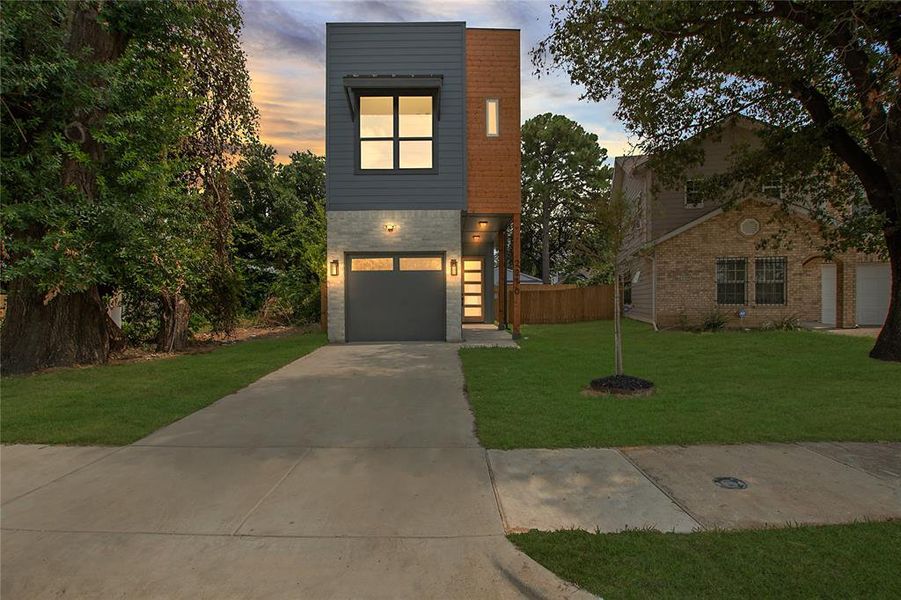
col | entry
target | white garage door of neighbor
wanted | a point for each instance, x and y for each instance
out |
(874, 286)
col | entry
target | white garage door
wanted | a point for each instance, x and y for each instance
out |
(873, 290)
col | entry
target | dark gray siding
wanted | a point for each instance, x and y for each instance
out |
(396, 48)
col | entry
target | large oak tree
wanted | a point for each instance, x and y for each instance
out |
(116, 119)
(823, 76)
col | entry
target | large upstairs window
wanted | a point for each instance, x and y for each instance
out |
(396, 132)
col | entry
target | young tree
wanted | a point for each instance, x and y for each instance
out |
(608, 222)
(824, 77)
(561, 165)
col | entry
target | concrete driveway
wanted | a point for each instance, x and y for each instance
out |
(351, 473)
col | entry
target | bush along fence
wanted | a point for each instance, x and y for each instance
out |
(562, 303)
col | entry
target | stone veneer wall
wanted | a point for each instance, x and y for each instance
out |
(415, 231)
(686, 272)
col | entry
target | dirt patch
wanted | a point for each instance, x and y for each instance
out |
(205, 342)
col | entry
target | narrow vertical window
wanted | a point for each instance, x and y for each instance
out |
(492, 117)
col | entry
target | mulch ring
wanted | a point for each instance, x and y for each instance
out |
(619, 385)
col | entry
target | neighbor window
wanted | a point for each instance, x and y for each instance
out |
(693, 197)
(396, 132)
(769, 278)
(492, 116)
(731, 280)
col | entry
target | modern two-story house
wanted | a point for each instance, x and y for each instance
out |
(688, 257)
(423, 166)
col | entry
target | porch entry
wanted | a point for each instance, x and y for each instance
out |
(473, 289)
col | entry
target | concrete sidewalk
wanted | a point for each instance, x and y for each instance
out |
(671, 488)
(352, 472)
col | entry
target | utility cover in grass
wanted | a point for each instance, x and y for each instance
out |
(620, 385)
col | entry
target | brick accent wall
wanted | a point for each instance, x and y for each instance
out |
(493, 163)
(686, 272)
(415, 231)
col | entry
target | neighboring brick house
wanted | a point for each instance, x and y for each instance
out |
(422, 160)
(688, 258)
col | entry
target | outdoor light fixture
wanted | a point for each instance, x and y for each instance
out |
(483, 224)
(476, 238)
(453, 267)
(333, 268)
(389, 227)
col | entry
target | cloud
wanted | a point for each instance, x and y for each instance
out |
(285, 45)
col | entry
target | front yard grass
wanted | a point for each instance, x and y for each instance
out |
(726, 387)
(119, 404)
(833, 561)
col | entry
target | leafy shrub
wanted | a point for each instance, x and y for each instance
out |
(789, 323)
(715, 320)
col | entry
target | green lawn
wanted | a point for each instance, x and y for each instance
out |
(726, 387)
(118, 404)
(833, 561)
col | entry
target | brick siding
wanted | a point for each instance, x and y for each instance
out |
(686, 271)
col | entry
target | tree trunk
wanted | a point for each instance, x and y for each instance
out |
(888, 344)
(546, 241)
(68, 330)
(72, 327)
(617, 327)
(176, 313)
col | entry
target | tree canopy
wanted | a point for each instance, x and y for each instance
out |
(114, 114)
(824, 78)
(562, 165)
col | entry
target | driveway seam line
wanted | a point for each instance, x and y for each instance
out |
(84, 466)
(841, 462)
(252, 536)
(497, 498)
(672, 498)
(271, 490)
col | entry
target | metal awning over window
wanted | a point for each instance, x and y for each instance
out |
(354, 84)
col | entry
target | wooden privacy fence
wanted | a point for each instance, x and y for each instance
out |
(562, 303)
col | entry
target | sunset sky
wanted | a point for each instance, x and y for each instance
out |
(285, 45)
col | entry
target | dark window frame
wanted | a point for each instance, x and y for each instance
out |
(770, 290)
(396, 138)
(697, 203)
(731, 291)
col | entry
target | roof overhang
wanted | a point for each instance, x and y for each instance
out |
(354, 84)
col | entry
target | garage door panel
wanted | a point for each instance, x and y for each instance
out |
(402, 305)
(873, 292)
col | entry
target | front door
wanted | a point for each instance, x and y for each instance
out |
(473, 289)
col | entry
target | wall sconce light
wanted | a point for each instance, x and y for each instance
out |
(476, 238)
(333, 268)
(483, 224)
(389, 227)
(453, 267)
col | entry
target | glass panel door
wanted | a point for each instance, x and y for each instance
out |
(473, 288)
